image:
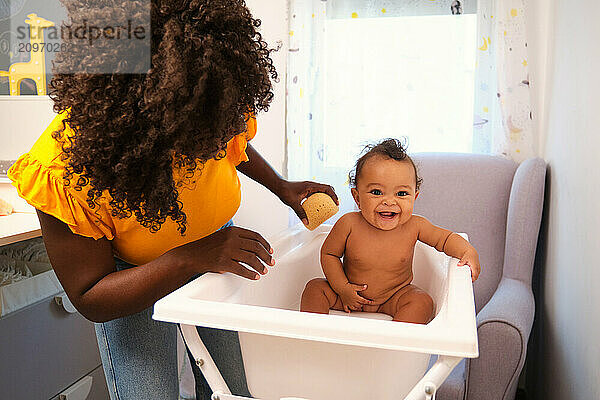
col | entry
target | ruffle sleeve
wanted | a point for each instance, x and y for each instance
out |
(39, 185)
(236, 148)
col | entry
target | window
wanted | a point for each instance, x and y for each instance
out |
(360, 71)
(399, 76)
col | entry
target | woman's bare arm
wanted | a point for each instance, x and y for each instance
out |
(86, 269)
(290, 193)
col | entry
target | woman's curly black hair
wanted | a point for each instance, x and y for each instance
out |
(389, 148)
(210, 69)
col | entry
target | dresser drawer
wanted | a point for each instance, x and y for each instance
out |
(93, 384)
(44, 349)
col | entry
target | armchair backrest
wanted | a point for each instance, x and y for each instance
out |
(470, 193)
(524, 219)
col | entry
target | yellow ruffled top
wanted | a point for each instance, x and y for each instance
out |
(210, 198)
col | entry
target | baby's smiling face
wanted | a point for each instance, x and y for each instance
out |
(386, 192)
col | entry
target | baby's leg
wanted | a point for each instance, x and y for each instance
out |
(410, 304)
(319, 297)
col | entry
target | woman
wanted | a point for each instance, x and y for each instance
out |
(135, 181)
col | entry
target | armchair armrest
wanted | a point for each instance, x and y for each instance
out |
(503, 328)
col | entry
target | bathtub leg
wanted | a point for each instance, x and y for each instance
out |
(204, 361)
(433, 379)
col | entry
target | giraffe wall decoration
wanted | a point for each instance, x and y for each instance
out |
(35, 68)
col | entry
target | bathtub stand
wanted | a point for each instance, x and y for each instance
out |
(433, 379)
(424, 389)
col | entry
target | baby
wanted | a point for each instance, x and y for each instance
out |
(367, 257)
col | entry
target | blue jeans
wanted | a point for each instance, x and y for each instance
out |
(139, 357)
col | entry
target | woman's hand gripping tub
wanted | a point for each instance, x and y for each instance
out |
(225, 251)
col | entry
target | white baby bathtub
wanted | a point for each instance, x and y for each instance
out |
(289, 354)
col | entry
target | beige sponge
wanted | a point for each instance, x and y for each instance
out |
(319, 208)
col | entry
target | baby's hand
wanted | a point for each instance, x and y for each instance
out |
(471, 258)
(351, 300)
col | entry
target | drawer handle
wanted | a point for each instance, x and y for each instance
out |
(79, 391)
(63, 300)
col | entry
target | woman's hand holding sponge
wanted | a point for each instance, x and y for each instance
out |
(312, 202)
(319, 207)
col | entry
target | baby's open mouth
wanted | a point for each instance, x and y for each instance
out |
(387, 214)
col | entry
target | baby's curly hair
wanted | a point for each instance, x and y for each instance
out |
(390, 148)
(210, 70)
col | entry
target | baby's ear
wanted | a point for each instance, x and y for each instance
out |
(355, 196)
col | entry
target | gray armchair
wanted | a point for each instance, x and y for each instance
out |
(498, 203)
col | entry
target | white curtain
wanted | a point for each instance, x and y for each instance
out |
(473, 95)
(306, 35)
(503, 118)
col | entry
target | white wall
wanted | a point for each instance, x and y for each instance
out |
(539, 30)
(567, 98)
(260, 209)
(23, 118)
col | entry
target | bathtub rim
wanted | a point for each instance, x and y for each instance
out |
(456, 336)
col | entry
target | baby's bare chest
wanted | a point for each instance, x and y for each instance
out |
(392, 253)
